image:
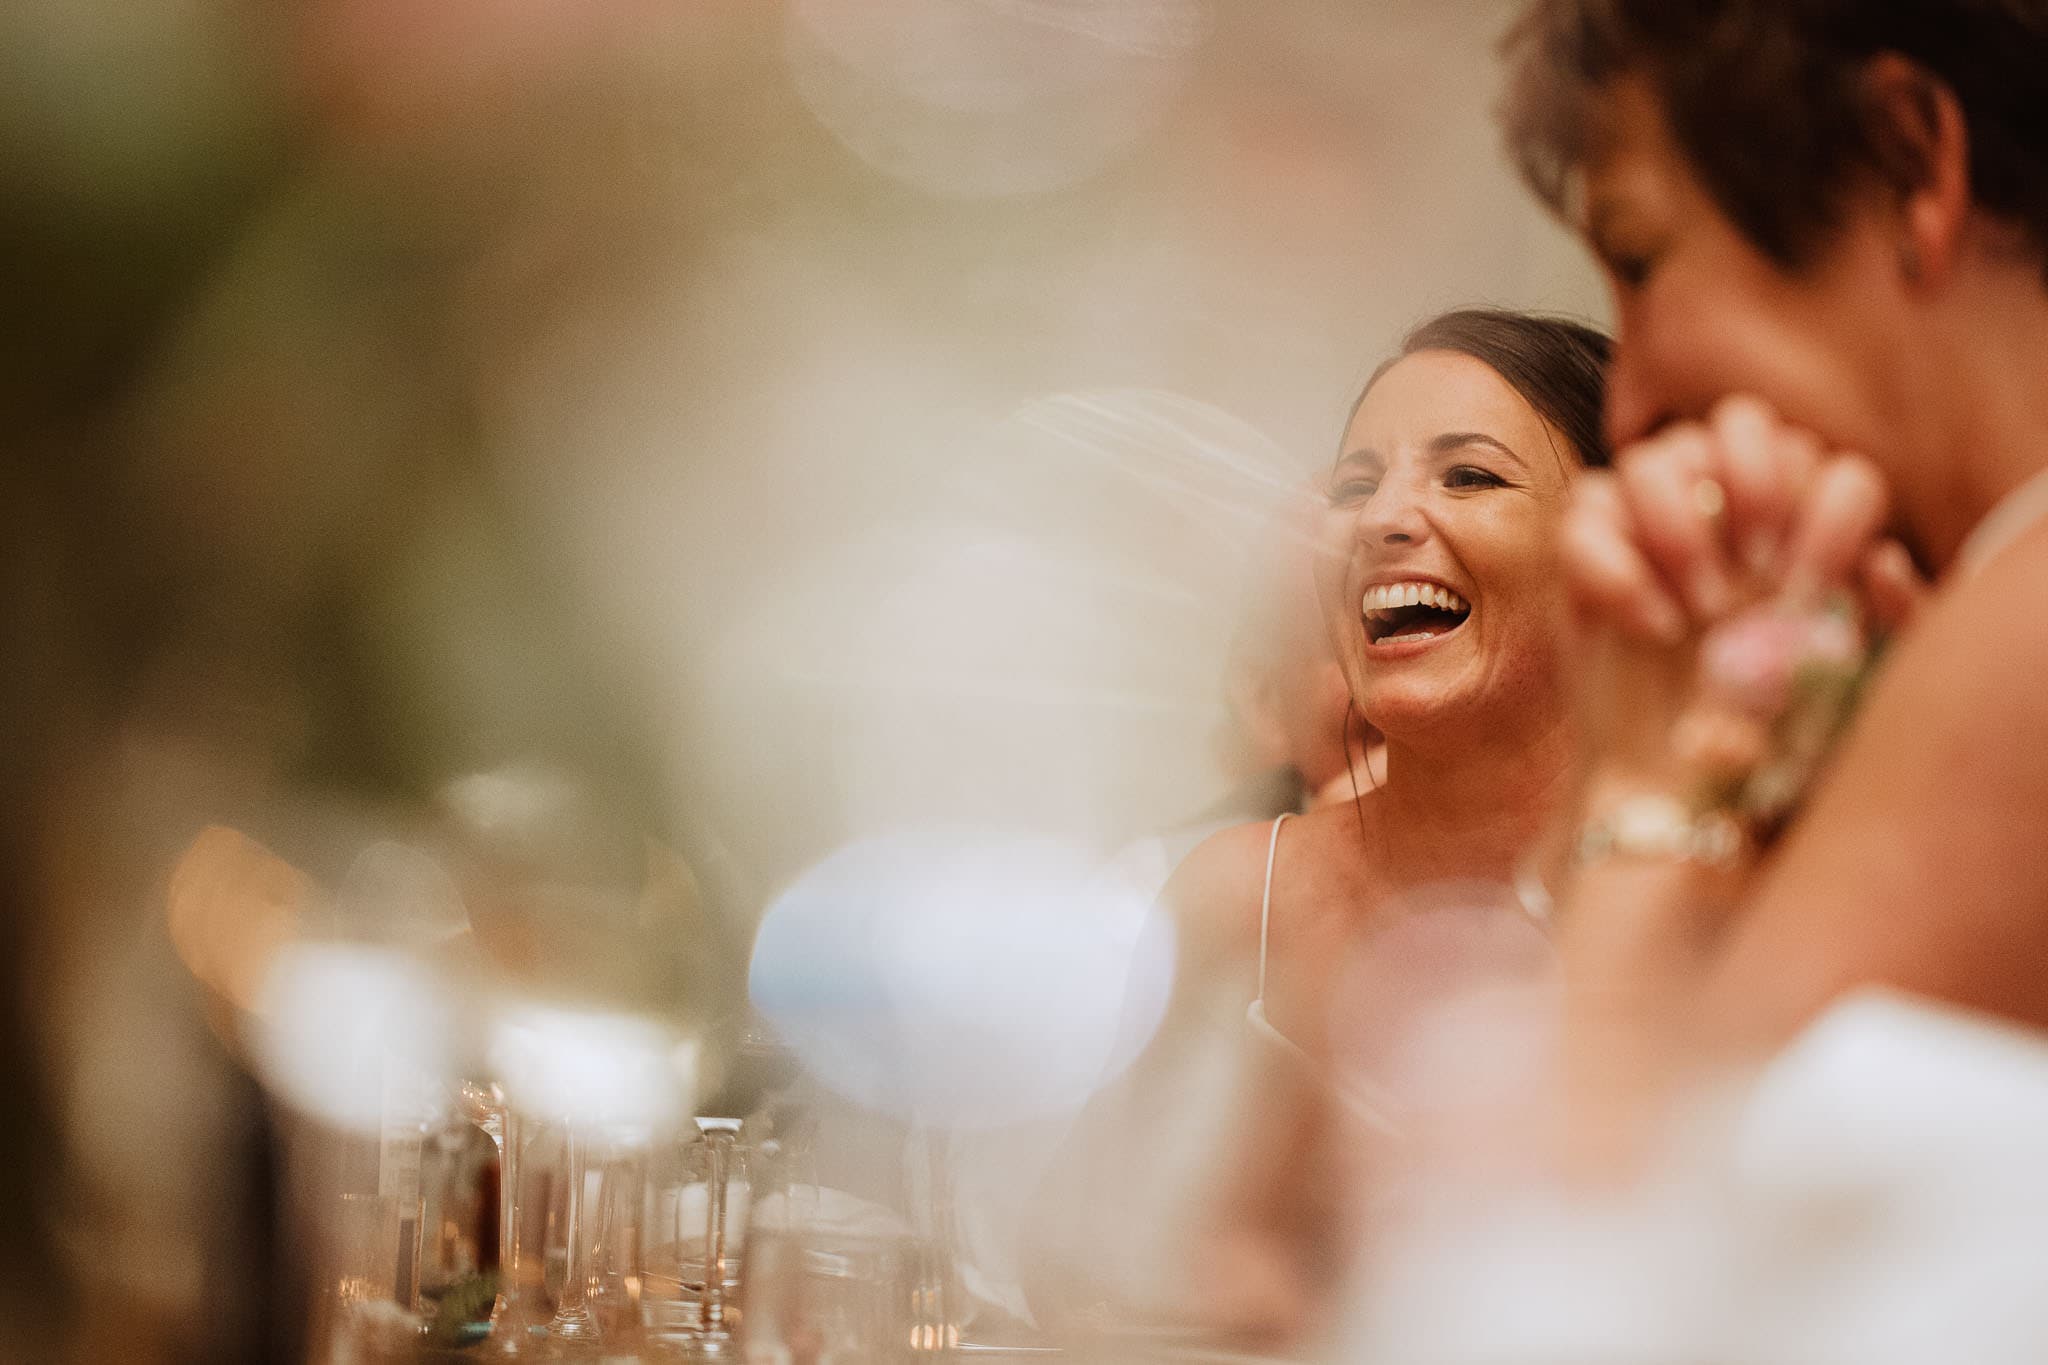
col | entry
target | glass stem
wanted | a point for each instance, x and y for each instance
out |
(572, 1321)
(505, 1323)
(718, 1144)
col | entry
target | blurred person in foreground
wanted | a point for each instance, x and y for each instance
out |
(1291, 740)
(1826, 229)
(1436, 578)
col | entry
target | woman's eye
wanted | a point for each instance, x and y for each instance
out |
(1353, 490)
(1471, 476)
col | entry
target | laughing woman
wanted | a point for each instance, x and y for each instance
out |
(1438, 585)
(1437, 582)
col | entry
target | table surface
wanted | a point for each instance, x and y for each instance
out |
(1101, 1352)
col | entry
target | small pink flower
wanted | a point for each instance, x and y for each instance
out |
(1750, 661)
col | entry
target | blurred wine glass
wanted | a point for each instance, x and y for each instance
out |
(617, 1242)
(485, 1106)
(592, 937)
(756, 1068)
(573, 1323)
(713, 1339)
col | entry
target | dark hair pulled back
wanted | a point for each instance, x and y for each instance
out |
(1557, 365)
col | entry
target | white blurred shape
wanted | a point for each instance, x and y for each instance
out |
(1076, 517)
(359, 1037)
(1055, 609)
(509, 801)
(960, 977)
(1878, 1200)
(1538, 1279)
(987, 98)
(1897, 1192)
(623, 1074)
(402, 886)
(1919, 1083)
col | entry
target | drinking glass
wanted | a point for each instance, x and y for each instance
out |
(678, 1199)
(834, 1280)
(817, 1293)
(573, 1325)
(617, 1220)
(933, 1215)
(713, 1338)
(374, 1242)
(486, 1108)
(758, 1069)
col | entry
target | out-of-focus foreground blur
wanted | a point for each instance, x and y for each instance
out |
(497, 493)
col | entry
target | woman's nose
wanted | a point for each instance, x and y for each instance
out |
(1393, 515)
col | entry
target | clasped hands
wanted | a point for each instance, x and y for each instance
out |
(1727, 577)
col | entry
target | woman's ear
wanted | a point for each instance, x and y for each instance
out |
(1923, 148)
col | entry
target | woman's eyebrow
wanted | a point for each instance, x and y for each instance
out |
(1456, 440)
(1366, 456)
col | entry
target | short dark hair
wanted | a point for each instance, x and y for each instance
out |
(1767, 99)
(1558, 365)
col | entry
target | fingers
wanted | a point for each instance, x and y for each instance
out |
(1608, 575)
(1705, 516)
(1765, 467)
(1842, 514)
(1678, 530)
(1746, 499)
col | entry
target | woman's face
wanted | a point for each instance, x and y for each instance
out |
(1701, 312)
(1436, 572)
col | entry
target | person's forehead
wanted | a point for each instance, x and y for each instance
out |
(1433, 391)
(1635, 160)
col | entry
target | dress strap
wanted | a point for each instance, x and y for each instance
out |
(1266, 902)
(2012, 518)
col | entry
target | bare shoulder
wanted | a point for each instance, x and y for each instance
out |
(1214, 894)
(1923, 861)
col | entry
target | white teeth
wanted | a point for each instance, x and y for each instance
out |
(1387, 596)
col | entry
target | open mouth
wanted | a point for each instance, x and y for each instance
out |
(1406, 613)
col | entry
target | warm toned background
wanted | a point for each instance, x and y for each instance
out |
(838, 413)
(806, 419)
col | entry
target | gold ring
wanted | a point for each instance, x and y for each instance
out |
(1710, 498)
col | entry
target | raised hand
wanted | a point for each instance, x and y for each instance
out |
(1708, 518)
(1729, 573)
